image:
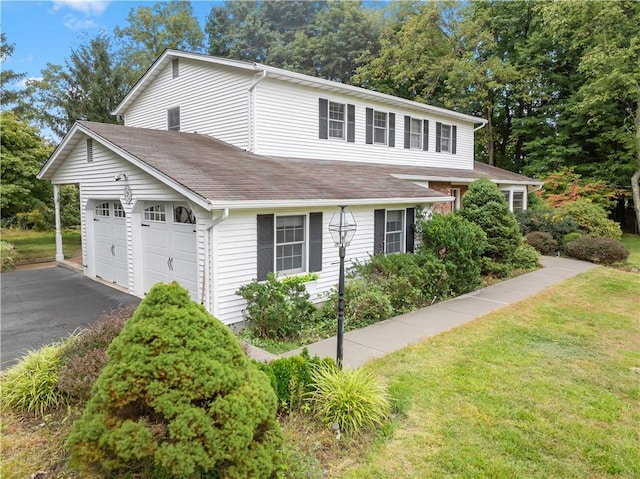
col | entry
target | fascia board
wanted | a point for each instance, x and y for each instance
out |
(255, 205)
(43, 173)
(459, 179)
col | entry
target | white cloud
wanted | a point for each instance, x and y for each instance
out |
(74, 23)
(88, 7)
(23, 83)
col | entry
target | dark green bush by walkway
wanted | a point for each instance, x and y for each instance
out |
(177, 398)
(598, 250)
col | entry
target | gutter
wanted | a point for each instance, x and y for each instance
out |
(208, 244)
(251, 111)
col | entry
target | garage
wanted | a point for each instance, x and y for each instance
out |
(170, 246)
(110, 234)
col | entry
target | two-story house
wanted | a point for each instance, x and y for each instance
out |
(227, 170)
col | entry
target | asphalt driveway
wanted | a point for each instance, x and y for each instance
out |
(41, 306)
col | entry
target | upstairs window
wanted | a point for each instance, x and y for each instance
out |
(446, 138)
(336, 121)
(416, 133)
(173, 119)
(175, 68)
(380, 127)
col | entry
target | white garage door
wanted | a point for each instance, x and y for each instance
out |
(110, 237)
(170, 247)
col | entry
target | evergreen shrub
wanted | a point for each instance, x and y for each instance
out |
(177, 398)
(542, 242)
(351, 399)
(525, 257)
(459, 244)
(86, 354)
(545, 219)
(278, 308)
(7, 256)
(592, 218)
(568, 238)
(598, 250)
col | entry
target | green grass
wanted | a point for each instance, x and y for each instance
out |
(632, 242)
(549, 387)
(39, 247)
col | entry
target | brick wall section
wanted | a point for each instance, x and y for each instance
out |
(443, 187)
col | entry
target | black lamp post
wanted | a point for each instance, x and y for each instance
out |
(342, 228)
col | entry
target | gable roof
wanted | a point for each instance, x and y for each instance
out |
(288, 76)
(216, 174)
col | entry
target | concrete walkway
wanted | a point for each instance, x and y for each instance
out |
(387, 336)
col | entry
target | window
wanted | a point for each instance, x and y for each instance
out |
(175, 68)
(102, 209)
(507, 197)
(290, 243)
(380, 127)
(182, 214)
(337, 121)
(118, 210)
(394, 233)
(89, 150)
(446, 138)
(155, 213)
(518, 201)
(173, 119)
(416, 133)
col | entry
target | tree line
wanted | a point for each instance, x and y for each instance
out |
(558, 82)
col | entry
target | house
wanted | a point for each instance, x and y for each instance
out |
(227, 170)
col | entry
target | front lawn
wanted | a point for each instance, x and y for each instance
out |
(549, 387)
(632, 242)
(40, 247)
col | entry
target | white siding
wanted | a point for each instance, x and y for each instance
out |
(287, 125)
(212, 101)
(235, 253)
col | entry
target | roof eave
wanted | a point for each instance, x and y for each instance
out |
(292, 203)
(461, 179)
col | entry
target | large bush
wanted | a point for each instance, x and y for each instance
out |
(177, 398)
(7, 256)
(592, 218)
(278, 308)
(86, 354)
(484, 205)
(365, 303)
(542, 242)
(459, 244)
(547, 220)
(598, 250)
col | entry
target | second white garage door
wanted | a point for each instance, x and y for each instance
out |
(170, 247)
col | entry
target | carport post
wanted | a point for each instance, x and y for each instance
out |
(56, 202)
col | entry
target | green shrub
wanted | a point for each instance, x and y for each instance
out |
(484, 205)
(525, 257)
(7, 256)
(351, 399)
(459, 244)
(491, 267)
(542, 242)
(86, 354)
(278, 308)
(365, 303)
(177, 398)
(568, 238)
(547, 220)
(291, 378)
(592, 218)
(598, 250)
(30, 386)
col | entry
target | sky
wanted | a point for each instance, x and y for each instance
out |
(45, 31)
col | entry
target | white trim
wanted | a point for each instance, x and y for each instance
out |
(289, 76)
(253, 205)
(464, 180)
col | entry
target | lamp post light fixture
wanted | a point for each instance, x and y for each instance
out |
(342, 228)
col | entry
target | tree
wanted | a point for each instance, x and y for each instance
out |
(8, 96)
(152, 30)
(178, 398)
(23, 152)
(88, 87)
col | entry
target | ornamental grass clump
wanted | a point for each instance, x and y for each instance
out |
(177, 398)
(351, 399)
(31, 386)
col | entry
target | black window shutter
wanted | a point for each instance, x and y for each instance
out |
(454, 132)
(410, 236)
(351, 123)
(407, 131)
(266, 229)
(392, 130)
(315, 241)
(323, 119)
(369, 125)
(379, 218)
(438, 135)
(425, 135)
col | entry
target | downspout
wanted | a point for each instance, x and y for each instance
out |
(208, 246)
(480, 127)
(251, 111)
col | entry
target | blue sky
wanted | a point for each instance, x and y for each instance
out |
(45, 31)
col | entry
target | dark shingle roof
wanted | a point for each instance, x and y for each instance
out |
(220, 172)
